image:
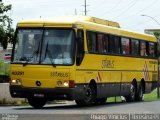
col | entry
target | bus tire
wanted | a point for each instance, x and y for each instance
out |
(139, 93)
(89, 96)
(37, 103)
(132, 95)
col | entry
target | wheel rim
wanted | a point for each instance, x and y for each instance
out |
(88, 96)
(141, 92)
(132, 92)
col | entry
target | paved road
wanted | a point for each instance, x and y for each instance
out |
(70, 111)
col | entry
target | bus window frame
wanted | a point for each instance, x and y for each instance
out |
(44, 28)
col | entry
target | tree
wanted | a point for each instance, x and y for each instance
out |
(157, 34)
(6, 31)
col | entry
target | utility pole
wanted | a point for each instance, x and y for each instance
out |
(75, 11)
(85, 7)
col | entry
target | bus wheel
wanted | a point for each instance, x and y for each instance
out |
(37, 103)
(89, 97)
(139, 94)
(132, 95)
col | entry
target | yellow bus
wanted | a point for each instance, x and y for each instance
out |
(81, 58)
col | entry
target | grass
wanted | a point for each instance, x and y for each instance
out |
(114, 99)
(152, 96)
(147, 97)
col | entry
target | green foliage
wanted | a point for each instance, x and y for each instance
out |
(4, 8)
(6, 31)
(4, 68)
(157, 34)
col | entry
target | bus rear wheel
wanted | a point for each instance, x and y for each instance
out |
(132, 95)
(37, 103)
(139, 94)
(89, 96)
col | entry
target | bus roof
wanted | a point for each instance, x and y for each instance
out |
(120, 32)
(90, 23)
(72, 19)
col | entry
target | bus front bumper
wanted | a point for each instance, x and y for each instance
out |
(48, 93)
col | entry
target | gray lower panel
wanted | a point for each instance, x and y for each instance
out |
(112, 89)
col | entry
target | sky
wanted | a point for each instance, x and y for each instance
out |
(128, 13)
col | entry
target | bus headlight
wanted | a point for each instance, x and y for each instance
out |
(59, 83)
(66, 84)
(16, 82)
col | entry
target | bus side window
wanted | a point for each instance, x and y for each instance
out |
(143, 47)
(114, 44)
(134, 47)
(100, 42)
(156, 50)
(91, 41)
(125, 46)
(106, 44)
(151, 49)
(80, 47)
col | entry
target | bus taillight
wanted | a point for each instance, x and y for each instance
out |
(71, 84)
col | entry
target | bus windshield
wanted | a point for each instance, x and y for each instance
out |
(48, 46)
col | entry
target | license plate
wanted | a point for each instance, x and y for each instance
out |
(39, 95)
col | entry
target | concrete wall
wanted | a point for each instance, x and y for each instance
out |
(5, 97)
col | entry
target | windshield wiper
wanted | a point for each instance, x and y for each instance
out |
(49, 55)
(24, 60)
(25, 63)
